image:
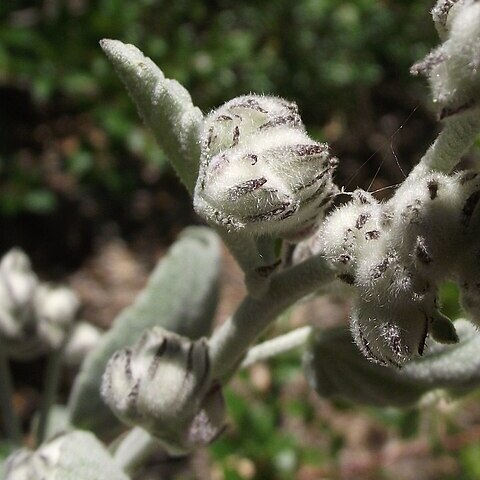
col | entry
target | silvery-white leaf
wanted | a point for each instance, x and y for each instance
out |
(74, 456)
(335, 367)
(164, 104)
(180, 296)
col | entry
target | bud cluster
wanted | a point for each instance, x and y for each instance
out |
(260, 172)
(163, 384)
(395, 254)
(34, 317)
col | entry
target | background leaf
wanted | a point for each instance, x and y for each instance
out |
(181, 296)
(334, 367)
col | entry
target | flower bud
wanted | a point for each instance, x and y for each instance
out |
(163, 384)
(260, 172)
(391, 331)
(443, 13)
(83, 339)
(346, 232)
(453, 69)
(55, 308)
(18, 283)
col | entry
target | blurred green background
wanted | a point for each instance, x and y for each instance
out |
(74, 155)
(76, 165)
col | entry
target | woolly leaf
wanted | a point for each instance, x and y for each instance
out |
(165, 106)
(74, 456)
(180, 296)
(334, 367)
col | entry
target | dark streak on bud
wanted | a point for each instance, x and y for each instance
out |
(293, 120)
(253, 158)
(362, 220)
(246, 187)
(432, 186)
(210, 137)
(368, 351)
(249, 103)
(372, 235)
(162, 348)
(344, 258)
(450, 111)
(378, 270)
(314, 150)
(224, 118)
(128, 363)
(272, 213)
(361, 197)
(469, 207)
(236, 135)
(132, 397)
(421, 346)
(421, 251)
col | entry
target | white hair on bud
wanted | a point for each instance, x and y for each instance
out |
(260, 172)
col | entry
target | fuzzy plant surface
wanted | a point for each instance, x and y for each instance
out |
(266, 188)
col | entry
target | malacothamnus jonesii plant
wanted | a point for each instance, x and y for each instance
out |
(258, 179)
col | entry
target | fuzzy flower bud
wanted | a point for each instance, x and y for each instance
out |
(18, 283)
(453, 69)
(260, 172)
(55, 309)
(83, 339)
(163, 384)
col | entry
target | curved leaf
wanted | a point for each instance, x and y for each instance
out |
(335, 367)
(180, 296)
(165, 106)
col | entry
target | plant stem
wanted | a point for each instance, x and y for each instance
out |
(457, 136)
(231, 340)
(9, 417)
(52, 377)
(276, 346)
(134, 449)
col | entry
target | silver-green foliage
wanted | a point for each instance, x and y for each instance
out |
(181, 296)
(335, 368)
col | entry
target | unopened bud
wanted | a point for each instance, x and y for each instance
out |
(17, 282)
(55, 309)
(260, 172)
(454, 68)
(83, 339)
(163, 384)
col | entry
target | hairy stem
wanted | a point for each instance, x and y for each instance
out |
(233, 338)
(50, 387)
(10, 419)
(457, 136)
(134, 449)
(276, 346)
